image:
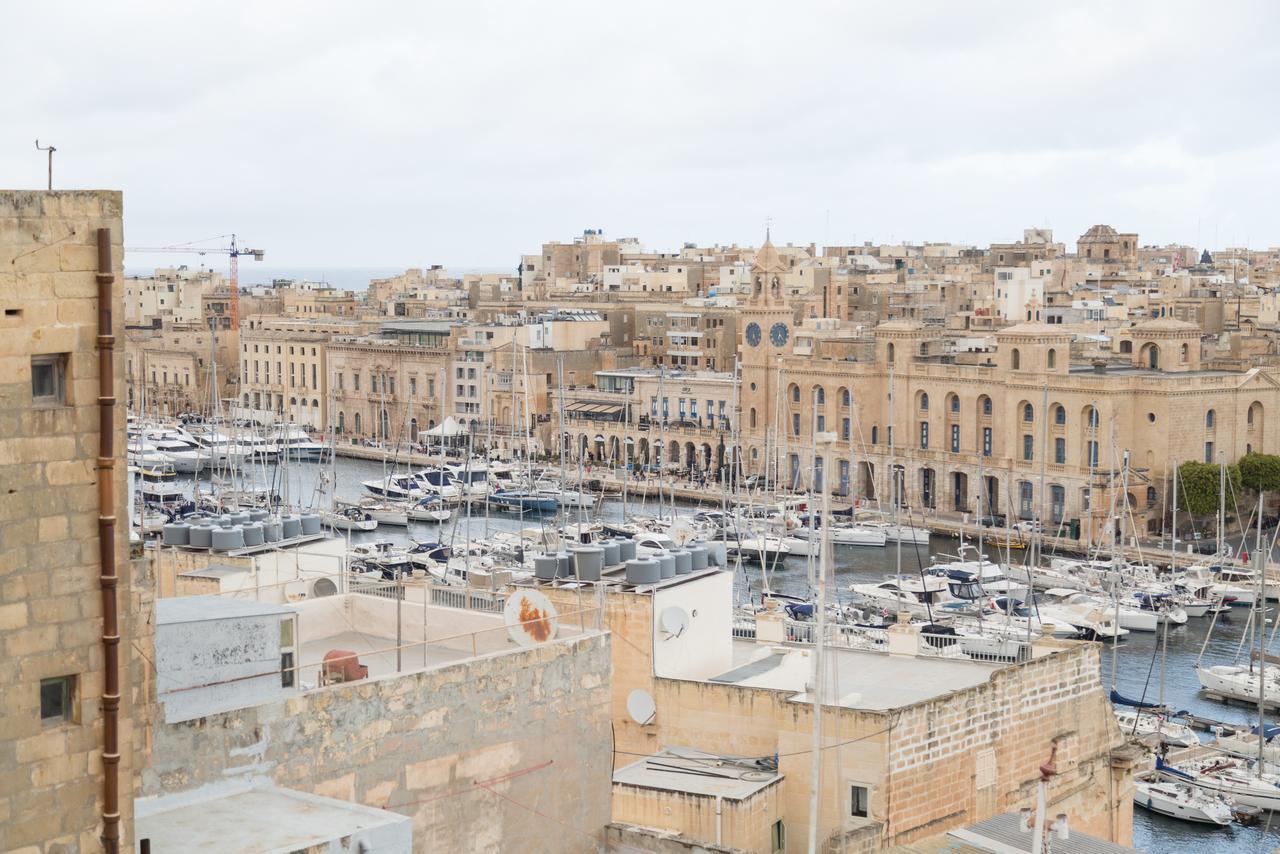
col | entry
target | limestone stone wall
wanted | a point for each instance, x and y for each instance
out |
(744, 824)
(50, 606)
(508, 751)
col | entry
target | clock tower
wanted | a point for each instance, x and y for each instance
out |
(766, 321)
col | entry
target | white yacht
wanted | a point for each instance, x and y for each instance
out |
(1182, 800)
(349, 519)
(296, 444)
(912, 594)
(1146, 723)
(1235, 778)
(1240, 682)
(1071, 606)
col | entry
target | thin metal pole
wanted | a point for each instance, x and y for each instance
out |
(51, 150)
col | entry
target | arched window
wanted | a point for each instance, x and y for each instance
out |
(891, 351)
(342, 422)
(954, 404)
(986, 405)
(875, 435)
(1091, 416)
(358, 430)
(795, 393)
(1184, 353)
(1249, 417)
(1151, 496)
(1208, 419)
(1028, 412)
(819, 395)
(753, 418)
(1126, 347)
(924, 401)
(844, 397)
(1052, 358)
(1017, 359)
(1059, 414)
(293, 401)
(924, 348)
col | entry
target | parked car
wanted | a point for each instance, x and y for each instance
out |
(995, 520)
(1027, 526)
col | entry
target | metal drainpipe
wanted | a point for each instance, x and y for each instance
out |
(107, 551)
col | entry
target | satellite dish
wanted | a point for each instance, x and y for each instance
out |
(323, 587)
(756, 776)
(640, 707)
(674, 621)
(530, 617)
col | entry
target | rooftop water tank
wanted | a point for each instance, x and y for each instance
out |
(684, 561)
(177, 534)
(544, 567)
(226, 539)
(667, 563)
(564, 565)
(611, 553)
(291, 527)
(589, 561)
(643, 571)
(310, 523)
(253, 535)
(698, 555)
(272, 531)
(201, 536)
(626, 549)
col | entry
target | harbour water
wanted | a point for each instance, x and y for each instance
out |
(1139, 664)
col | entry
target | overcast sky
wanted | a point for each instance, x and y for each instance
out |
(464, 133)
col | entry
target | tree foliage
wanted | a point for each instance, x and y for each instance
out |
(1198, 488)
(1260, 472)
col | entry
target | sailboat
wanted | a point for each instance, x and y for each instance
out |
(1179, 799)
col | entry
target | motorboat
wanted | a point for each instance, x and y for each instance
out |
(760, 549)
(381, 556)
(401, 486)
(438, 482)
(293, 443)
(1015, 613)
(1180, 799)
(520, 501)
(563, 495)
(1058, 604)
(349, 518)
(895, 532)
(386, 512)
(425, 554)
(1163, 605)
(848, 535)
(472, 477)
(898, 593)
(1172, 733)
(429, 509)
(1244, 743)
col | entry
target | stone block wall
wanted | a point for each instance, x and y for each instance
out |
(509, 751)
(50, 605)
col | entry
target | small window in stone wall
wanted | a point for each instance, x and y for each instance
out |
(49, 380)
(859, 801)
(57, 700)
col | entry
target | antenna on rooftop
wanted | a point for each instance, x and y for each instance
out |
(51, 150)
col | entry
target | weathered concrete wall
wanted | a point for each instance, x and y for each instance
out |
(746, 824)
(50, 606)
(507, 751)
(217, 665)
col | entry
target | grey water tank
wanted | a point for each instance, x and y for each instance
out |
(225, 520)
(544, 567)
(626, 549)
(667, 563)
(240, 518)
(177, 534)
(684, 561)
(225, 539)
(643, 571)
(697, 556)
(201, 536)
(253, 535)
(310, 523)
(291, 527)
(589, 560)
(611, 556)
(258, 514)
(564, 565)
(272, 531)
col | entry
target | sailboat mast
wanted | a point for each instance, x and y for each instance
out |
(1260, 567)
(820, 608)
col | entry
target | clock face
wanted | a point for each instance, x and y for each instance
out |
(753, 334)
(778, 334)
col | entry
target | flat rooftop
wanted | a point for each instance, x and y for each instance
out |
(873, 681)
(679, 769)
(378, 653)
(267, 819)
(195, 609)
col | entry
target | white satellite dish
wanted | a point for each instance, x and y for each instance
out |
(640, 707)
(674, 620)
(530, 617)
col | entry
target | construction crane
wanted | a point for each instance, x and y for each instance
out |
(234, 251)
